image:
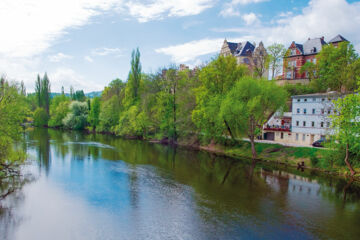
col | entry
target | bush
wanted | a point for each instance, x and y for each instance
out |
(40, 117)
(77, 117)
(314, 161)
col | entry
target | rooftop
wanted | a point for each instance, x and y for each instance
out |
(338, 38)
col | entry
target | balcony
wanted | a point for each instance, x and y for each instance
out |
(279, 128)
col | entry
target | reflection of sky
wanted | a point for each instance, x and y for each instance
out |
(84, 196)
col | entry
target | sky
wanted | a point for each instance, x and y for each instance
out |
(88, 43)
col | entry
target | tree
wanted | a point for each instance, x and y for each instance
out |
(94, 113)
(249, 104)
(38, 91)
(261, 62)
(338, 68)
(216, 80)
(135, 74)
(76, 118)
(41, 117)
(45, 92)
(59, 108)
(346, 125)
(12, 114)
(276, 53)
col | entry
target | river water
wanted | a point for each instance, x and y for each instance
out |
(79, 186)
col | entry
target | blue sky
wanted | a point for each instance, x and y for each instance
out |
(88, 43)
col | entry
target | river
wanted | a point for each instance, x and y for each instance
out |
(79, 186)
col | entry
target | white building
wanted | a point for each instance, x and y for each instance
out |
(311, 116)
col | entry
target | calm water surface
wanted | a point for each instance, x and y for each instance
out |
(102, 187)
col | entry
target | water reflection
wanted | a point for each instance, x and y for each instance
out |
(102, 187)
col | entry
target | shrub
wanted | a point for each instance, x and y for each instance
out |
(40, 117)
(77, 117)
(314, 161)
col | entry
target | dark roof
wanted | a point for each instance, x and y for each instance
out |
(300, 47)
(241, 48)
(232, 47)
(338, 38)
(333, 93)
(312, 46)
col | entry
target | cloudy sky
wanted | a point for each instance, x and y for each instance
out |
(87, 43)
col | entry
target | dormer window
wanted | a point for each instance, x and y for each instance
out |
(313, 50)
(293, 52)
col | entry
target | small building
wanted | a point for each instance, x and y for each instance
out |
(278, 127)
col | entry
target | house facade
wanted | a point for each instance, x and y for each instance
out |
(299, 54)
(246, 53)
(310, 120)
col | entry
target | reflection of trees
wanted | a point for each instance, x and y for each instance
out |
(43, 148)
(8, 219)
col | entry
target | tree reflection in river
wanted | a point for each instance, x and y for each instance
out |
(205, 195)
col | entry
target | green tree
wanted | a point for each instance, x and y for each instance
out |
(216, 80)
(276, 53)
(41, 117)
(12, 114)
(249, 104)
(135, 74)
(94, 113)
(346, 125)
(59, 108)
(77, 117)
(338, 68)
(45, 93)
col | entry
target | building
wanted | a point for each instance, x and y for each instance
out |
(247, 53)
(278, 127)
(298, 54)
(308, 122)
(311, 116)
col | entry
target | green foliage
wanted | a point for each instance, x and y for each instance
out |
(216, 79)
(314, 161)
(41, 118)
(59, 108)
(79, 96)
(249, 104)
(42, 92)
(298, 89)
(12, 114)
(132, 122)
(346, 124)
(338, 68)
(77, 117)
(93, 117)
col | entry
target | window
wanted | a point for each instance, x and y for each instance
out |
(297, 123)
(313, 111)
(323, 99)
(313, 124)
(314, 60)
(304, 110)
(322, 124)
(328, 124)
(293, 51)
(298, 110)
(288, 75)
(297, 137)
(304, 136)
(322, 111)
(314, 99)
(304, 123)
(305, 100)
(298, 100)
(329, 111)
(282, 135)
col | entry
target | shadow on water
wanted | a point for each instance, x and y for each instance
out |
(229, 198)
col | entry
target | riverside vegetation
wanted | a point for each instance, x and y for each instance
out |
(212, 107)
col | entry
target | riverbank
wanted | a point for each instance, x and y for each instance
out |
(314, 159)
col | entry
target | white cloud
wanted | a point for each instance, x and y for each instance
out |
(190, 51)
(158, 9)
(250, 18)
(104, 51)
(68, 77)
(31, 26)
(245, 2)
(229, 10)
(59, 57)
(89, 59)
(320, 18)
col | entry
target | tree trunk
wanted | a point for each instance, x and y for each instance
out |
(253, 150)
(352, 171)
(229, 130)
